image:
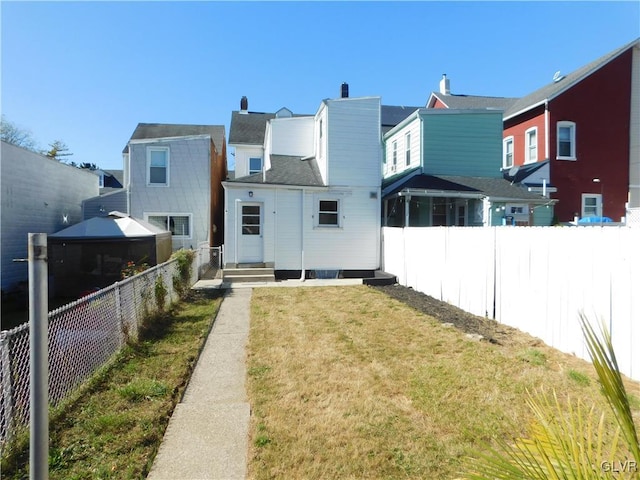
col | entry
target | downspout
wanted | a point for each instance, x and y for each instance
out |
(302, 270)
(546, 129)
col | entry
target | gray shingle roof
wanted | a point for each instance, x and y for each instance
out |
(552, 89)
(494, 188)
(392, 115)
(162, 130)
(466, 102)
(287, 170)
(248, 127)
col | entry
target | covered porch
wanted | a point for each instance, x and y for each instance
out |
(434, 201)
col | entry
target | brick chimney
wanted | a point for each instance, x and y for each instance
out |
(244, 104)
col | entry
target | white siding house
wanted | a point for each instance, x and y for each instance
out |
(39, 195)
(316, 206)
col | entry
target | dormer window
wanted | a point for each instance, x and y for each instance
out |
(255, 165)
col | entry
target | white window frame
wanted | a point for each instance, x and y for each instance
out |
(572, 127)
(338, 223)
(506, 141)
(168, 156)
(407, 149)
(168, 216)
(530, 148)
(253, 170)
(598, 198)
(394, 149)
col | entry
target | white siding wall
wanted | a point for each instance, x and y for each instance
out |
(291, 136)
(353, 246)
(321, 127)
(242, 158)
(37, 193)
(189, 186)
(412, 127)
(354, 142)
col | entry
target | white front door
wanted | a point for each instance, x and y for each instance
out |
(250, 248)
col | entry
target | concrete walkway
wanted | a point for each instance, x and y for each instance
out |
(207, 435)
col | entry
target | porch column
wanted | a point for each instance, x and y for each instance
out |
(407, 199)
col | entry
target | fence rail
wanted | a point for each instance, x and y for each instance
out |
(83, 336)
(537, 279)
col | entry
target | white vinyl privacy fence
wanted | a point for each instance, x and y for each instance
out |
(537, 279)
(83, 336)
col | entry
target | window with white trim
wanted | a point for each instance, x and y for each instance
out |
(591, 205)
(507, 152)
(328, 213)
(255, 165)
(566, 134)
(407, 149)
(158, 166)
(531, 145)
(178, 225)
(395, 152)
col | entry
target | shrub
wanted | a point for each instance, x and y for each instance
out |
(161, 293)
(181, 281)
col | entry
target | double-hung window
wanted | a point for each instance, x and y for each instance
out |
(407, 149)
(328, 213)
(158, 166)
(566, 141)
(531, 145)
(507, 152)
(394, 146)
(255, 165)
(178, 225)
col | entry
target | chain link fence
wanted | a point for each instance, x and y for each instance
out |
(83, 336)
(209, 262)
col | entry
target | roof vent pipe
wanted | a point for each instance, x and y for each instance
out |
(344, 90)
(444, 85)
(244, 104)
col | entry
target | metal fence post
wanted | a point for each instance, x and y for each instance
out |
(39, 380)
(7, 386)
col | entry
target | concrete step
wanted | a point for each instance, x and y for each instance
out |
(248, 275)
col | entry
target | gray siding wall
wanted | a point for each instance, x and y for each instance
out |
(102, 205)
(189, 187)
(462, 143)
(37, 194)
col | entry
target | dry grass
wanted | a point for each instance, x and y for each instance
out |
(348, 383)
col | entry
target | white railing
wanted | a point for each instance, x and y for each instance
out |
(537, 279)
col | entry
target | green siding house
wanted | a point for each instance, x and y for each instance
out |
(442, 167)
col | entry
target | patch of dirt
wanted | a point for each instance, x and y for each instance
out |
(490, 330)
